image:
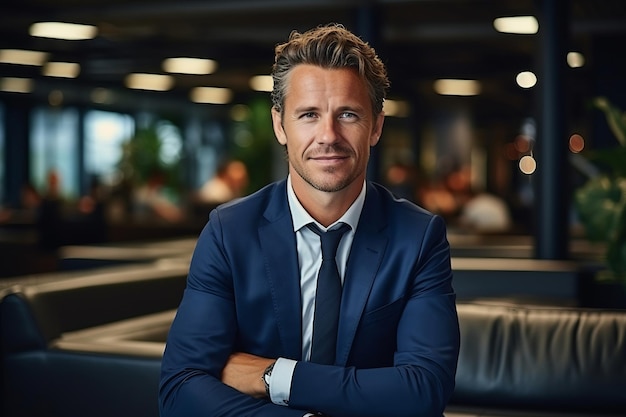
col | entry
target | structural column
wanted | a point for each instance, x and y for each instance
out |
(553, 192)
(16, 122)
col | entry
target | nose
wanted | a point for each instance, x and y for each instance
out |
(328, 131)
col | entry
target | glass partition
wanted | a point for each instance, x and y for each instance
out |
(54, 150)
(105, 135)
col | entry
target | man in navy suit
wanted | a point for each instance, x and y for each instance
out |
(241, 342)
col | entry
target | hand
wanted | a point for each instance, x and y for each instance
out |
(244, 372)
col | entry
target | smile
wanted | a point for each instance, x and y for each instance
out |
(329, 159)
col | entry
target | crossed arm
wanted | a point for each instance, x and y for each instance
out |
(197, 382)
(419, 383)
(244, 372)
(417, 336)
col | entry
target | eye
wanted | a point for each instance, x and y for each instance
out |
(347, 115)
(308, 115)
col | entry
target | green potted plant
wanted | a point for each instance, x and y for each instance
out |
(601, 201)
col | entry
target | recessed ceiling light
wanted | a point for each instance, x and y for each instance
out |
(65, 31)
(456, 87)
(211, 95)
(527, 164)
(61, 69)
(575, 59)
(194, 66)
(526, 79)
(262, 83)
(16, 85)
(396, 108)
(22, 57)
(154, 82)
(523, 25)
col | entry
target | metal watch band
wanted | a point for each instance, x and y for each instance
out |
(266, 377)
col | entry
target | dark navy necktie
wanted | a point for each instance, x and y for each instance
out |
(327, 297)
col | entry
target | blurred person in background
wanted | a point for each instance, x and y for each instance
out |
(400, 180)
(153, 201)
(230, 181)
(27, 210)
(93, 210)
(50, 214)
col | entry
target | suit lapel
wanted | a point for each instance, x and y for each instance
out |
(278, 244)
(365, 257)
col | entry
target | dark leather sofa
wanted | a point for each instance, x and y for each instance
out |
(91, 346)
(525, 360)
(60, 352)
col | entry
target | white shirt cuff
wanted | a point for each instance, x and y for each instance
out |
(280, 381)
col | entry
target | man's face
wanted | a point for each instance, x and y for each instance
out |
(328, 127)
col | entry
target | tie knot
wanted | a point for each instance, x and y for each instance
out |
(330, 239)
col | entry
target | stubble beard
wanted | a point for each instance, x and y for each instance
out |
(331, 185)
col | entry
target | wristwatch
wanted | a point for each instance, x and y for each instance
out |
(266, 377)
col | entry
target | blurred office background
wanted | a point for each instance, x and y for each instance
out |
(123, 125)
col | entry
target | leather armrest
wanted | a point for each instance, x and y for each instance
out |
(140, 336)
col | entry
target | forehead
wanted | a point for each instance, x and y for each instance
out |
(309, 83)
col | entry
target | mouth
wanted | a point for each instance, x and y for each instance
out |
(328, 159)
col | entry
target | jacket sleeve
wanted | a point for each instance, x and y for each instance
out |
(421, 380)
(200, 341)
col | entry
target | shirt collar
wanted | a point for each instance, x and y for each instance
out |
(301, 217)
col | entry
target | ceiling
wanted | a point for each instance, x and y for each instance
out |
(420, 41)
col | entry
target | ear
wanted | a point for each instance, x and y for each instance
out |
(377, 130)
(277, 123)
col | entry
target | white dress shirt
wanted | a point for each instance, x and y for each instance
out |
(309, 260)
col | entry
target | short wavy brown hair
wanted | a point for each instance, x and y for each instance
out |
(330, 46)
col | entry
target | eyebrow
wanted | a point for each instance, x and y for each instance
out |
(306, 109)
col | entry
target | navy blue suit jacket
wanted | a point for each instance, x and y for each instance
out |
(398, 337)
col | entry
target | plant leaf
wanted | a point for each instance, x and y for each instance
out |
(613, 159)
(614, 117)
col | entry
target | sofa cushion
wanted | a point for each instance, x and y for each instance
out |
(530, 357)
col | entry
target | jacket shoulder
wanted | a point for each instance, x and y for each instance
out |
(253, 205)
